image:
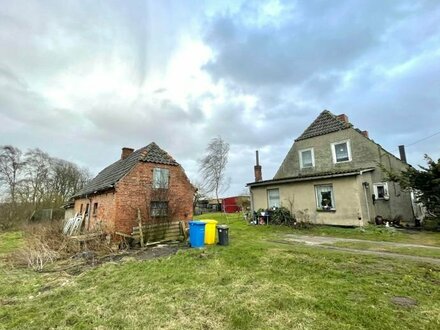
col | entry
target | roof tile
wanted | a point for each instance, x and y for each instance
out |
(325, 123)
(110, 175)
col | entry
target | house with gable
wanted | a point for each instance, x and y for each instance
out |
(148, 180)
(333, 175)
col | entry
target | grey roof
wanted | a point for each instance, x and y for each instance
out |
(109, 176)
(324, 124)
(312, 176)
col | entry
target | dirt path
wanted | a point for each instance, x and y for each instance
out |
(320, 242)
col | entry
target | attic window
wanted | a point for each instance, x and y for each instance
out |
(341, 151)
(160, 178)
(306, 158)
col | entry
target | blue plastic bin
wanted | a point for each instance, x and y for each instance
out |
(197, 234)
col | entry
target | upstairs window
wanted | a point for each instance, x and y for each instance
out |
(325, 199)
(159, 209)
(381, 190)
(341, 152)
(306, 158)
(160, 178)
(273, 198)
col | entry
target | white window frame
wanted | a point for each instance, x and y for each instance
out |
(386, 191)
(162, 173)
(332, 192)
(269, 206)
(335, 161)
(300, 152)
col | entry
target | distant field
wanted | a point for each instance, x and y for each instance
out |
(251, 284)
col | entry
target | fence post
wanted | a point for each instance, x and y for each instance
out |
(140, 227)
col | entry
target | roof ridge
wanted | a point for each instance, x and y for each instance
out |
(112, 173)
(325, 123)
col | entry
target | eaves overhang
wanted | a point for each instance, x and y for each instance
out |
(317, 176)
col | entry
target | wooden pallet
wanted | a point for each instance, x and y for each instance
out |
(167, 231)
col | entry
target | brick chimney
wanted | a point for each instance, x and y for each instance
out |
(402, 153)
(365, 133)
(126, 152)
(343, 117)
(257, 169)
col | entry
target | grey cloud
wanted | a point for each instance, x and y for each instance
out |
(316, 55)
(338, 56)
(290, 53)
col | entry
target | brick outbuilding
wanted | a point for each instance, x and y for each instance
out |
(148, 180)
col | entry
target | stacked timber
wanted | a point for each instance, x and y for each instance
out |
(155, 232)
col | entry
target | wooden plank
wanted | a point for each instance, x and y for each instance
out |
(174, 230)
(162, 239)
(122, 234)
(161, 234)
(140, 227)
(183, 230)
(157, 235)
(164, 224)
(148, 237)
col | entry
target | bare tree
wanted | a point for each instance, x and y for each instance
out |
(67, 179)
(33, 181)
(38, 177)
(213, 166)
(11, 167)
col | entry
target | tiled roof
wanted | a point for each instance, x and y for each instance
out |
(312, 176)
(324, 124)
(109, 176)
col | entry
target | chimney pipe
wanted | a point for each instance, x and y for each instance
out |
(126, 152)
(257, 168)
(402, 153)
(365, 133)
(343, 117)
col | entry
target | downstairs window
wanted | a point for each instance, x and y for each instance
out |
(159, 209)
(325, 199)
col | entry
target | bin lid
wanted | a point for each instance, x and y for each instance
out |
(209, 221)
(223, 226)
(197, 223)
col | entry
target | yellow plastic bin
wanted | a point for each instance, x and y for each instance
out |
(210, 230)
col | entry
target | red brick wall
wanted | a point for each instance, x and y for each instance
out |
(105, 215)
(134, 191)
(118, 210)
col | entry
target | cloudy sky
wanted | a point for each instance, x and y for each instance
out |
(81, 79)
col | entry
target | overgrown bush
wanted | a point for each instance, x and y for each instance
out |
(45, 243)
(282, 216)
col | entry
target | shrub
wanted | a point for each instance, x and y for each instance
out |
(282, 216)
(45, 243)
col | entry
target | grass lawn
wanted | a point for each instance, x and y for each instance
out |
(250, 284)
(10, 241)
